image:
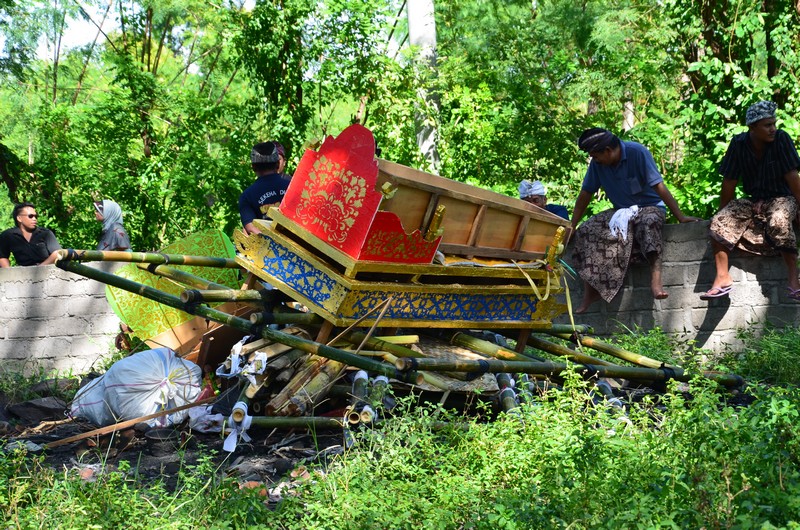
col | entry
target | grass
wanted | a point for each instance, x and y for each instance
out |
(566, 461)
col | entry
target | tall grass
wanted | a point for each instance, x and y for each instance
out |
(565, 462)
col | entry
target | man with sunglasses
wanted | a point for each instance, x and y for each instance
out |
(30, 244)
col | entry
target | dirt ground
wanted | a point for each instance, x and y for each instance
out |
(272, 458)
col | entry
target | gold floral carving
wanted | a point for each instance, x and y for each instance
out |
(331, 199)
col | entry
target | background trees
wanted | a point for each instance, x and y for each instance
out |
(159, 112)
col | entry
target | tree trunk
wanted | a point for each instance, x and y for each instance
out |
(422, 34)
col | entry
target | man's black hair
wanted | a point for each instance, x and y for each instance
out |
(18, 208)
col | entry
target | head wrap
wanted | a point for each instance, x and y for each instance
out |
(759, 111)
(596, 139)
(264, 153)
(281, 150)
(111, 212)
(529, 189)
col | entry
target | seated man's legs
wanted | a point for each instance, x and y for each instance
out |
(727, 227)
(647, 232)
(780, 214)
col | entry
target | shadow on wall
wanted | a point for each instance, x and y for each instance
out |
(758, 298)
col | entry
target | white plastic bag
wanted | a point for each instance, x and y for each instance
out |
(136, 386)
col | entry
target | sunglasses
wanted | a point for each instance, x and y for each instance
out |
(32, 216)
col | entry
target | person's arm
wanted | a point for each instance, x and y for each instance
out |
(672, 204)
(4, 263)
(793, 180)
(728, 192)
(583, 200)
(50, 259)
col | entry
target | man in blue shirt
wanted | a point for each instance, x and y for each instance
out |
(534, 193)
(268, 189)
(603, 247)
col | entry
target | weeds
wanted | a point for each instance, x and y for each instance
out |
(567, 461)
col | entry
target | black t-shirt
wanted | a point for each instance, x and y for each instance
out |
(43, 242)
(266, 191)
(761, 178)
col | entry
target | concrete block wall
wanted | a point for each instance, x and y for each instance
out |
(758, 296)
(58, 320)
(54, 320)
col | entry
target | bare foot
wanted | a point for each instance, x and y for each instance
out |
(660, 293)
(590, 296)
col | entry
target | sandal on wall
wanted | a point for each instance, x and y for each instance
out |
(719, 292)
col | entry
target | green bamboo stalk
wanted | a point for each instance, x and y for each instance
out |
(555, 369)
(70, 254)
(286, 317)
(182, 277)
(295, 422)
(358, 396)
(199, 296)
(563, 351)
(567, 328)
(487, 348)
(616, 351)
(507, 396)
(370, 365)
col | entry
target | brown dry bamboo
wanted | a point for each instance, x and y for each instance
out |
(317, 388)
(277, 405)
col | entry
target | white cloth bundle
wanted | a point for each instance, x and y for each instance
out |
(620, 220)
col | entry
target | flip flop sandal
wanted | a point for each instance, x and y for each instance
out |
(794, 295)
(720, 292)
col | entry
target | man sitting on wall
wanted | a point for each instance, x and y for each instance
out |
(30, 244)
(766, 161)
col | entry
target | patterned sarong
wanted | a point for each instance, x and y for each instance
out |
(602, 260)
(764, 229)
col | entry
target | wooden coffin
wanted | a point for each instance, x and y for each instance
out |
(375, 210)
(476, 222)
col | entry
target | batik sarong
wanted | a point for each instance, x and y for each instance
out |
(763, 228)
(602, 259)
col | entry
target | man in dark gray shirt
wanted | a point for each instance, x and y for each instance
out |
(766, 161)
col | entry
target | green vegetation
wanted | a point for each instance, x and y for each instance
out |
(160, 113)
(677, 460)
(562, 463)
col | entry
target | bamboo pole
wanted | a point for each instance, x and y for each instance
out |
(555, 369)
(616, 351)
(365, 363)
(299, 422)
(568, 328)
(488, 348)
(70, 254)
(182, 277)
(392, 352)
(507, 397)
(563, 351)
(199, 296)
(358, 397)
(286, 317)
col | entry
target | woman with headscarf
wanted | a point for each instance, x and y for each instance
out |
(114, 236)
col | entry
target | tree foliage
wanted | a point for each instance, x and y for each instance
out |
(160, 110)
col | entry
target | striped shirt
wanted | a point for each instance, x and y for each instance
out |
(761, 179)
